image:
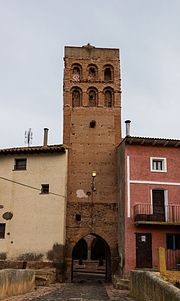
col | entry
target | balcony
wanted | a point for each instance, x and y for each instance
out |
(145, 214)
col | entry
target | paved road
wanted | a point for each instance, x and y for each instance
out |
(83, 289)
(75, 292)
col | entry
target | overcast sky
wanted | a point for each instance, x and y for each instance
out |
(33, 34)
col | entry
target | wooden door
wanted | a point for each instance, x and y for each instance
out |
(143, 250)
(158, 205)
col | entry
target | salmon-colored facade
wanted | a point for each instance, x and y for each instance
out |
(149, 202)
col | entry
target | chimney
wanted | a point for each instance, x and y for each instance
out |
(127, 122)
(46, 136)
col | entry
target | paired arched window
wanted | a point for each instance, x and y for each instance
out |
(76, 72)
(93, 97)
(108, 73)
(108, 97)
(92, 72)
(76, 97)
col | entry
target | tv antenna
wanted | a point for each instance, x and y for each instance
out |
(28, 137)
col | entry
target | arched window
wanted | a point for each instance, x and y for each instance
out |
(92, 72)
(108, 73)
(76, 72)
(76, 97)
(108, 98)
(92, 97)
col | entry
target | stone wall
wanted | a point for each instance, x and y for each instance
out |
(14, 282)
(148, 286)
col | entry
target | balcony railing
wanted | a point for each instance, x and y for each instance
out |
(146, 213)
(173, 260)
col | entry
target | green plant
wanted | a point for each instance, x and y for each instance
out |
(3, 256)
(30, 257)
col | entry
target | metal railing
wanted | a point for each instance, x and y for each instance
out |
(173, 260)
(146, 212)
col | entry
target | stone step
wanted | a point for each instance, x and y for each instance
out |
(45, 277)
(121, 283)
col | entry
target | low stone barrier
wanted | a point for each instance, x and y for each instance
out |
(14, 282)
(148, 286)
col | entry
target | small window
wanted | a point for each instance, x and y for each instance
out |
(173, 241)
(108, 73)
(158, 164)
(92, 98)
(92, 72)
(20, 164)
(108, 98)
(76, 72)
(76, 97)
(2, 230)
(44, 188)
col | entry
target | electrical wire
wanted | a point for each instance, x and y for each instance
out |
(28, 186)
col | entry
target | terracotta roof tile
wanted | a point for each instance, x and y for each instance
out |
(60, 148)
(151, 141)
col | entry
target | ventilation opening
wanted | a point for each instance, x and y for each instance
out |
(78, 217)
(44, 188)
(92, 124)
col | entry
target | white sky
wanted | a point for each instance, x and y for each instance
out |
(33, 34)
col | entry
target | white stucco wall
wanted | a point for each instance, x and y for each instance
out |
(38, 219)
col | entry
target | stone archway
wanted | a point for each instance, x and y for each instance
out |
(91, 258)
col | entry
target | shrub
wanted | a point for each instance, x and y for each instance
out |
(30, 257)
(3, 256)
(56, 254)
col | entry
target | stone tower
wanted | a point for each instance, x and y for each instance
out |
(92, 130)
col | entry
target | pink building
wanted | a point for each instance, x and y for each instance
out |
(149, 200)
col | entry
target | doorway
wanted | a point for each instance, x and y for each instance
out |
(91, 259)
(143, 250)
(158, 205)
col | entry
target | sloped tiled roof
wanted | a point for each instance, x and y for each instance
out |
(151, 141)
(59, 148)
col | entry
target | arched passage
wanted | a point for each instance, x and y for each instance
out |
(91, 259)
(80, 250)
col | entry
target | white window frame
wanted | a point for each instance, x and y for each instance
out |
(164, 164)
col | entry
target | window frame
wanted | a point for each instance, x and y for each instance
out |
(158, 159)
(111, 69)
(74, 103)
(23, 167)
(94, 77)
(106, 103)
(172, 240)
(92, 99)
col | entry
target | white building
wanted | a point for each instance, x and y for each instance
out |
(33, 184)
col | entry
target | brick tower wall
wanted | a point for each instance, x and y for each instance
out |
(92, 149)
